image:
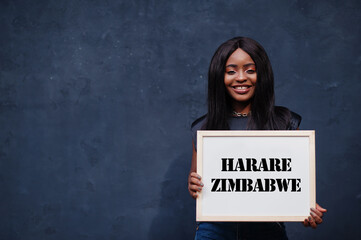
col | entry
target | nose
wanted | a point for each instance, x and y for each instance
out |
(241, 76)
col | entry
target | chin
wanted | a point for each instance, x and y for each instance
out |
(243, 98)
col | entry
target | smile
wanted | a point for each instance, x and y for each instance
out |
(242, 89)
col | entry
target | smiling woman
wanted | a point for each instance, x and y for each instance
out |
(243, 63)
(240, 80)
(241, 97)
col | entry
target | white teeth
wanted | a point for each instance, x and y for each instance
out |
(241, 87)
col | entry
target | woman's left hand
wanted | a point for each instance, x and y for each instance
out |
(315, 217)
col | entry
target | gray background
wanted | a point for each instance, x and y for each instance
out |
(97, 98)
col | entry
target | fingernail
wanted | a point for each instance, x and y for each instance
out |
(199, 188)
(202, 184)
(199, 177)
(309, 218)
(313, 214)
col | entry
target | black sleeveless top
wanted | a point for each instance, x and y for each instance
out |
(238, 123)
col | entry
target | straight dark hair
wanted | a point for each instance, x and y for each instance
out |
(264, 115)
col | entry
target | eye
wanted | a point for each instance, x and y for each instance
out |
(231, 72)
(250, 71)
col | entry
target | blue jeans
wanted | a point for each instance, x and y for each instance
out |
(241, 231)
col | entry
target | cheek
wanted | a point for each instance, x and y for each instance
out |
(253, 91)
(227, 80)
(254, 80)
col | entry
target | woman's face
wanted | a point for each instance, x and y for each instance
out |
(240, 78)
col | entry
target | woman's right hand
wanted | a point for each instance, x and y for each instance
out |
(195, 184)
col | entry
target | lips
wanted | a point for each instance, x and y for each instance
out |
(241, 89)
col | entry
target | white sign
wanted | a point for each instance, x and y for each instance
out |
(256, 175)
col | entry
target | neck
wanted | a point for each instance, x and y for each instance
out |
(241, 107)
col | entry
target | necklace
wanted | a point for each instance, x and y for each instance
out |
(237, 114)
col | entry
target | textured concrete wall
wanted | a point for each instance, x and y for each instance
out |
(97, 97)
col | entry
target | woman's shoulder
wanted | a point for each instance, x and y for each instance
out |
(293, 119)
(198, 123)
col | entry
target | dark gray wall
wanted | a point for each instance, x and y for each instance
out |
(97, 98)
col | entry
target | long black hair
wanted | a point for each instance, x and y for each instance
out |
(264, 114)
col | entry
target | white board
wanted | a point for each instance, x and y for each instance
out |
(295, 151)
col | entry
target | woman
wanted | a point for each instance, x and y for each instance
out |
(241, 97)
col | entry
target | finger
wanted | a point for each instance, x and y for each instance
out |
(195, 188)
(194, 174)
(195, 181)
(192, 193)
(317, 219)
(312, 222)
(318, 213)
(195, 195)
(318, 207)
(306, 223)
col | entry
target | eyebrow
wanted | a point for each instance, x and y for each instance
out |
(245, 65)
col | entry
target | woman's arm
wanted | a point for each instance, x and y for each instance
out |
(194, 180)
